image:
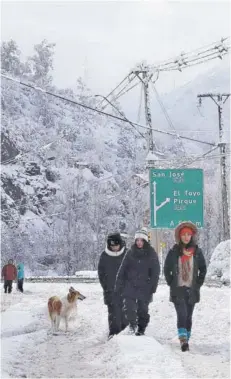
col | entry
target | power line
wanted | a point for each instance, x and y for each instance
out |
(184, 60)
(122, 114)
(167, 115)
(202, 156)
(121, 93)
(102, 112)
(204, 48)
(128, 90)
(193, 62)
(126, 77)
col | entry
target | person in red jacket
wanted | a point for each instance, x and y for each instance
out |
(9, 273)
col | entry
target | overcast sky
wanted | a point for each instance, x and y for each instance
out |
(102, 41)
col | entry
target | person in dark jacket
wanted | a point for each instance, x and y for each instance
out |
(138, 277)
(185, 271)
(9, 273)
(109, 263)
(20, 276)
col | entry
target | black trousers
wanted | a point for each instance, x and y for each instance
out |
(137, 312)
(8, 286)
(184, 312)
(116, 316)
(20, 285)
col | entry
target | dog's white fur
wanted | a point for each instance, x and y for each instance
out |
(63, 308)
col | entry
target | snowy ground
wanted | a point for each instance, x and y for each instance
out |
(29, 351)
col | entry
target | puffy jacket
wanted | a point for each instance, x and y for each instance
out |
(171, 271)
(139, 272)
(20, 268)
(108, 267)
(9, 272)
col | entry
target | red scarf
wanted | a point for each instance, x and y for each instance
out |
(187, 254)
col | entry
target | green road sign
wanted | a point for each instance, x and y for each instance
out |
(176, 195)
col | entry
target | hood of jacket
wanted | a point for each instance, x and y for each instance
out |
(114, 253)
(185, 224)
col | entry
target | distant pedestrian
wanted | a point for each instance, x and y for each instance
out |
(20, 276)
(185, 271)
(9, 273)
(109, 263)
(138, 278)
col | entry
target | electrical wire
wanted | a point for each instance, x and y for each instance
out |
(126, 77)
(204, 48)
(128, 90)
(101, 112)
(200, 61)
(214, 50)
(164, 110)
(202, 156)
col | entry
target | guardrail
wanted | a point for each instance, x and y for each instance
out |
(75, 279)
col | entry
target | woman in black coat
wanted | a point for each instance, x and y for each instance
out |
(109, 263)
(138, 278)
(185, 271)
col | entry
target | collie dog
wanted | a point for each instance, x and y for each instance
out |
(62, 308)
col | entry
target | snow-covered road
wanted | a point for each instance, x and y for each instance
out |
(29, 351)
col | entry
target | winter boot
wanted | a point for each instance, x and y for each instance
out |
(188, 334)
(183, 337)
(184, 344)
(140, 331)
(132, 329)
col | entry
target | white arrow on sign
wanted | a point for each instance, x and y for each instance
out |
(157, 207)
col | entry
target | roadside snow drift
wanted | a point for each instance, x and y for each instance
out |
(219, 266)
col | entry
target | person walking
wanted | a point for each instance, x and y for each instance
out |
(9, 273)
(20, 276)
(137, 279)
(109, 263)
(185, 271)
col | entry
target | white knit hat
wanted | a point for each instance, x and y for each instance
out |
(143, 234)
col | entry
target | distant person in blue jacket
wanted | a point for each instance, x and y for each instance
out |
(20, 276)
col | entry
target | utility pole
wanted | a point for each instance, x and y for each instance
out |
(152, 148)
(145, 79)
(219, 100)
(148, 116)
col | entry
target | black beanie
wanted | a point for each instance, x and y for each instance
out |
(114, 239)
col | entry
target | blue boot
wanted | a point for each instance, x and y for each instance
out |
(188, 334)
(183, 337)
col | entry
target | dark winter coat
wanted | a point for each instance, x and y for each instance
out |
(171, 271)
(139, 273)
(108, 267)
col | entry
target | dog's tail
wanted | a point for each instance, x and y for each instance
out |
(54, 306)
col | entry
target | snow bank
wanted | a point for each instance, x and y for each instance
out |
(219, 266)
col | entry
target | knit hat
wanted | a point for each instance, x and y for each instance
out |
(143, 234)
(114, 239)
(183, 225)
(186, 230)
